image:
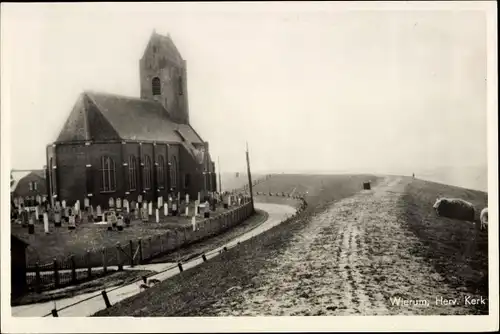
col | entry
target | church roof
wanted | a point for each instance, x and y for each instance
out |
(101, 116)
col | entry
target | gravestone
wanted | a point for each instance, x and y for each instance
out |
(99, 213)
(71, 222)
(174, 208)
(118, 204)
(119, 222)
(66, 214)
(37, 213)
(193, 223)
(207, 210)
(112, 218)
(57, 217)
(126, 218)
(111, 203)
(144, 214)
(46, 222)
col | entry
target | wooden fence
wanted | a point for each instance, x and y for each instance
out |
(77, 268)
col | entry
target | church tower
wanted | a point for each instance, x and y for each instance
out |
(163, 77)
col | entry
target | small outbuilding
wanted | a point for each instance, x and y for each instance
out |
(18, 266)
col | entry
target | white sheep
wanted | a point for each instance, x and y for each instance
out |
(484, 218)
(454, 208)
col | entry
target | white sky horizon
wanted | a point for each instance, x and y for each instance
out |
(307, 89)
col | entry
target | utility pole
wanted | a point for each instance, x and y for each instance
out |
(250, 180)
(220, 182)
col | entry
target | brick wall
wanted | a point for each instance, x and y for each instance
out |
(74, 180)
(70, 173)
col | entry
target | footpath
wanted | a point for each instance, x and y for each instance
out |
(89, 303)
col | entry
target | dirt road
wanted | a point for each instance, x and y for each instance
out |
(353, 258)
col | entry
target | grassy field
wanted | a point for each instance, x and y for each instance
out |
(61, 242)
(193, 292)
(230, 181)
(314, 185)
(456, 249)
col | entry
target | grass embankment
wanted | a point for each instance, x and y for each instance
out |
(61, 242)
(193, 291)
(110, 280)
(458, 250)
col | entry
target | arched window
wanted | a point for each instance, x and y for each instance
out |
(181, 88)
(156, 85)
(173, 173)
(147, 173)
(161, 172)
(132, 173)
(108, 175)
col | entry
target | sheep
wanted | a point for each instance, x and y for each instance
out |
(147, 283)
(454, 208)
(153, 281)
(484, 218)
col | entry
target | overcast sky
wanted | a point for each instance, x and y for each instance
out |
(309, 89)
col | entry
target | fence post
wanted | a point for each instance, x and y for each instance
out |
(106, 299)
(56, 274)
(131, 243)
(140, 250)
(89, 264)
(38, 280)
(73, 269)
(54, 313)
(104, 260)
(150, 248)
(118, 256)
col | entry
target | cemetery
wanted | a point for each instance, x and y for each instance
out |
(82, 241)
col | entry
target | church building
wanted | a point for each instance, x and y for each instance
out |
(122, 147)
